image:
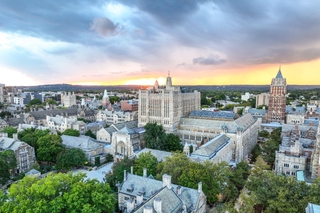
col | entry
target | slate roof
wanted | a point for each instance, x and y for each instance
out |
(33, 172)
(211, 148)
(254, 111)
(170, 202)
(309, 121)
(212, 115)
(126, 130)
(297, 110)
(279, 74)
(85, 143)
(53, 112)
(150, 186)
(9, 143)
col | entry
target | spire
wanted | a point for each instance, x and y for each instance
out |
(169, 82)
(279, 75)
(105, 95)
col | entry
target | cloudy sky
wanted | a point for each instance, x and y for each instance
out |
(210, 42)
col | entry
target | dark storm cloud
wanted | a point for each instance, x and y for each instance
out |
(105, 27)
(212, 60)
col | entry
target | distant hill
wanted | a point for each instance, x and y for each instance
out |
(69, 87)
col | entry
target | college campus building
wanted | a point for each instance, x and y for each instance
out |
(166, 105)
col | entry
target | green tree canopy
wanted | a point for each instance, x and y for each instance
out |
(59, 193)
(3, 114)
(68, 158)
(10, 130)
(90, 134)
(7, 162)
(35, 101)
(154, 136)
(148, 161)
(117, 172)
(71, 132)
(172, 143)
(49, 146)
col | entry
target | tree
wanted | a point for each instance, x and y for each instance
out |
(148, 161)
(276, 135)
(3, 114)
(173, 143)
(256, 151)
(71, 132)
(268, 151)
(35, 101)
(8, 163)
(10, 130)
(90, 134)
(49, 146)
(113, 99)
(59, 193)
(68, 158)
(117, 172)
(154, 136)
(263, 133)
(50, 102)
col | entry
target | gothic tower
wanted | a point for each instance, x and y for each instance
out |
(315, 158)
(277, 99)
(105, 99)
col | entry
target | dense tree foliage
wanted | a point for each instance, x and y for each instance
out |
(68, 158)
(4, 114)
(8, 163)
(49, 146)
(172, 143)
(10, 130)
(154, 136)
(35, 101)
(59, 193)
(148, 161)
(90, 134)
(263, 133)
(31, 136)
(114, 99)
(117, 172)
(71, 132)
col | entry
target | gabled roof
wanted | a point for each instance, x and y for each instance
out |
(126, 130)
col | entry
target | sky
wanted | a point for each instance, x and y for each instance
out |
(124, 42)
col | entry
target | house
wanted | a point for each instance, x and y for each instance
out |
(145, 194)
(24, 153)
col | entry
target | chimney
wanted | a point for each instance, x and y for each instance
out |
(131, 169)
(124, 175)
(166, 181)
(15, 136)
(200, 187)
(130, 205)
(157, 204)
(147, 209)
(179, 190)
(139, 198)
(145, 172)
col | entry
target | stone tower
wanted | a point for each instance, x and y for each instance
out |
(315, 158)
(105, 99)
(277, 99)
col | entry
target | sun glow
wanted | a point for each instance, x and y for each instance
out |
(145, 81)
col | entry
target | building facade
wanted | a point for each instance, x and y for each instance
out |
(277, 99)
(166, 105)
(68, 99)
(262, 99)
(115, 117)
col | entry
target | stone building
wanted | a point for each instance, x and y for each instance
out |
(262, 99)
(144, 194)
(3, 123)
(296, 149)
(166, 105)
(206, 125)
(115, 117)
(315, 158)
(277, 99)
(24, 153)
(68, 99)
(105, 99)
(60, 123)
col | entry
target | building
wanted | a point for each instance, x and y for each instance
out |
(24, 153)
(129, 105)
(217, 150)
(89, 146)
(105, 99)
(61, 123)
(3, 123)
(68, 99)
(262, 99)
(315, 158)
(115, 117)
(206, 125)
(246, 96)
(313, 208)
(145, 194)
(105, 134)
(277, 99)
(296, 149)
(166, 105)
(2, 93)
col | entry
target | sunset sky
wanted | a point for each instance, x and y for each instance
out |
(201, 42)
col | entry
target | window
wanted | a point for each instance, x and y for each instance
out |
(286, 165)
(296, 166)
